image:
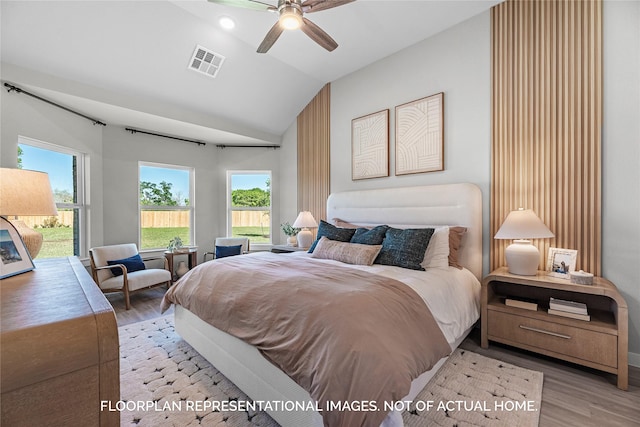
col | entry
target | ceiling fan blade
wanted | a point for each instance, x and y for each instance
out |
(247, 4)
(270, 38)
(318, 5)
(318, 35)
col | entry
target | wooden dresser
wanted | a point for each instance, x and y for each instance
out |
(59, 353)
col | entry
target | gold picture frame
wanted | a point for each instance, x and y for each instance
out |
(420, 135)
(370, 146)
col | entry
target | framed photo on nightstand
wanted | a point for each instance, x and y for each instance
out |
(561, 262)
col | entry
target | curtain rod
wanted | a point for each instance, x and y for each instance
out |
(193, 141)
(11, 88)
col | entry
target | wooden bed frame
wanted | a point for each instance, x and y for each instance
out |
(450, 204)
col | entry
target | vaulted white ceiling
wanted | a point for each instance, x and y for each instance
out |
(126, 62)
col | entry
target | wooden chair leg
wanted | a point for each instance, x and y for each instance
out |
(125, 289)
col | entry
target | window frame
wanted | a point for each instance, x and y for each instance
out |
(190, 207)
(231, 208)
(81, 187)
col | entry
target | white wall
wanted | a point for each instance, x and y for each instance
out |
(288, 175)
(456, 62)
(621, 158)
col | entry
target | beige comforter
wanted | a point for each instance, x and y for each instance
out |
(342, 334)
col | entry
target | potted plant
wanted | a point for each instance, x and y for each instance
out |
(175, 244)
(291, 233)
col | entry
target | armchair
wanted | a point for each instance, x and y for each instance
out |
(119, 268)
(225, 242)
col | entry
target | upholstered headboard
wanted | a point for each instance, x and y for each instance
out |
(448, 204)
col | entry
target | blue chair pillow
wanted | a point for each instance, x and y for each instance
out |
(225, 251)
(132, 264)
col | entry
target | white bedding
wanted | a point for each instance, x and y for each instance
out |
(452, 295)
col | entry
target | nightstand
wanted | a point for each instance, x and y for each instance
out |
(284, 249)
(601, 343)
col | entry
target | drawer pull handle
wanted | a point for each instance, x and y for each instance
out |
(542, 331)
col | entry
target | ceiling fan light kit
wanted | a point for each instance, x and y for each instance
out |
(291, 18)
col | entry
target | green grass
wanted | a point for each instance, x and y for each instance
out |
(58, 242)
(154, 238)
(255, 234)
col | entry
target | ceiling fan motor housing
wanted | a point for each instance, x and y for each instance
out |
(290, 14)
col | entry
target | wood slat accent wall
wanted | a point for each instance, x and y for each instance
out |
(547, 121)
(313, 155)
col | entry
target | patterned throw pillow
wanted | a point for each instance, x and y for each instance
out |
(350, 253)
(405, 248)
(332, 232)
(133, 263)
(373, 236)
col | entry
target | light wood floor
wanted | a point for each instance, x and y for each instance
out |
(572, 395)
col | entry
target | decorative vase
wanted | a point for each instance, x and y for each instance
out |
(292, 241)
(182, 269)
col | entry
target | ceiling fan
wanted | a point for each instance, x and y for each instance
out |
(291, 18)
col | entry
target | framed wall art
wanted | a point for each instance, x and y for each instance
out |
(420, 135)
(14, 257)
(561, 262)
(370, 146)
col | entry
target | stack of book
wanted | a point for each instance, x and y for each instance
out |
(575, 310)
(527, 305)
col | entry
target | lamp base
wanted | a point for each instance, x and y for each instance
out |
(31, 238)
(305, 238)
(522, 258)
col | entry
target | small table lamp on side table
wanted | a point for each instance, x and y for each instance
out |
(522, 257)
(305, 221)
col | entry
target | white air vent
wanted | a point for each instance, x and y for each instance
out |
(206, 62)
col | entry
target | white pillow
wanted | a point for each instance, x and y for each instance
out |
(437, 253)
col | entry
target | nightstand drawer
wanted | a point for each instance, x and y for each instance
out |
(549, 337)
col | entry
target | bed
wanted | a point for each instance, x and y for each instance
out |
(409, 207)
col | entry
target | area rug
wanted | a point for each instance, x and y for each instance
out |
(165, 382)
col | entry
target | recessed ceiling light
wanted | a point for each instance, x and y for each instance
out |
(227, 23)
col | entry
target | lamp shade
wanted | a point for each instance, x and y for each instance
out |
(25, 192)
(522, 257)
(305, 220)
(523, 224)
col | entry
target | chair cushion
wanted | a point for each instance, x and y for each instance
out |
(138, 279)
(132, 264)
(225, 251)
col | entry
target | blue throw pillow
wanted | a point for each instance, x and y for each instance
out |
(332, 232)
(405, 248)
(225, 251)
(375, 236)
(132, 264)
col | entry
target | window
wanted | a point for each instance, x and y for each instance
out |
(63, 235)
(249, 205)
(166, 205)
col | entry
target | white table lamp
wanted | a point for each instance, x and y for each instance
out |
(523, 258)
(26, 192)
(305, 221)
